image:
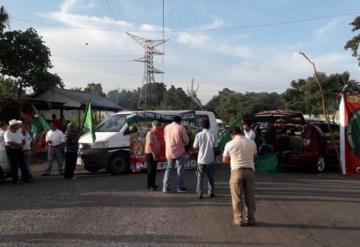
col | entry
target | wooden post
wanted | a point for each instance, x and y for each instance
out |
(323, 105)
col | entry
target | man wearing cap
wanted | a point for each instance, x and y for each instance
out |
(55, 140)
(152, 153)
(14, 142)
(176, 139)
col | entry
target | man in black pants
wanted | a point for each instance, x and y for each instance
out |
(71, 150)
(153, 141)
(14, 142)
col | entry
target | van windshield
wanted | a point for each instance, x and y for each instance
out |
(113, 123)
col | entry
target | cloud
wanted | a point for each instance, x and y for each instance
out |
(321, 32)
(235, 50)
(193, 39)
(216, 23)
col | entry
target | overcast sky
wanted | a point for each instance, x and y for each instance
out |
(229, 43)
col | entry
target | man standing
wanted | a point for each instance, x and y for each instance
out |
(71, 150)
(205, 142)
(14, 142)
(152, 153)
(240, 153)
(55, 141)
(176, 139)
(249, 133)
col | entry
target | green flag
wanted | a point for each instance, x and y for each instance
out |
(225, 136)
(41, 119)
(89, 122)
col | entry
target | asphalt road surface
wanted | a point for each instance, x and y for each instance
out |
(102, 210)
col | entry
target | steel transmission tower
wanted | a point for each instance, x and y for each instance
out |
(150, 50)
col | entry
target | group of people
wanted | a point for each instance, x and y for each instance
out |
(240, 153)
(16, 144)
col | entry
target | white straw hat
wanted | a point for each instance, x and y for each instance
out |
(13, 122)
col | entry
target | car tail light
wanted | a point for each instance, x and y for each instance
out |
(306, 142)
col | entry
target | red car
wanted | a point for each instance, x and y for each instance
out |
(309, 143)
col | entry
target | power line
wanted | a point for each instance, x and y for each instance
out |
(263, 25)
(113, 16)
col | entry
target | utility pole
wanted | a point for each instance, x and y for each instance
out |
(193, 94)
(150, 51)
(325, 112)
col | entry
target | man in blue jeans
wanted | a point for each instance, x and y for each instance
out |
(205, 142)
(55, 140)
(176, 139)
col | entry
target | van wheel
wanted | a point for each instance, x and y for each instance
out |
(319, 165)
(119, 164)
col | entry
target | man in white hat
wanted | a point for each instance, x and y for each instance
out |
(14, 148)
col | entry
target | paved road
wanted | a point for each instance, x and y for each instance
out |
(103, 210)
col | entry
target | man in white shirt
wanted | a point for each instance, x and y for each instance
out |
(14, 148)
(205, 142)
(249, 133)
(55, 140)
(240, 153)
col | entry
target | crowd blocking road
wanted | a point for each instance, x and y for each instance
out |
(293, 209)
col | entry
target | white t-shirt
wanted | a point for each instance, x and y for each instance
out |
(241, 152)
(250, 134)
(13, 137)
(205, 141)
(28, 140)
(56, 137)
(2, 139)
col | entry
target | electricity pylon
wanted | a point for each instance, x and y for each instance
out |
(150, 50)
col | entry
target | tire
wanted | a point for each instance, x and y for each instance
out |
(119, 164)
(319, 165)
(91, 169)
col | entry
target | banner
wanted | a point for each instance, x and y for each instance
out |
(225, 136)
(350, 134)
(142, 122)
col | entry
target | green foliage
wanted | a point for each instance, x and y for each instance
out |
(8, 88)
(4, 19)
(42, 80)
(95, 88)
(230, 105)
(354, 43)
(25, 58)
(161, 98)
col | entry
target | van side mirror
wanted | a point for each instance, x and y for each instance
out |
(131, 129)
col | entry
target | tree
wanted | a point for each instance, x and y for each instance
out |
(8, 88)
(354, 43)
(43, 80)
(177, 99)
(4, 19)
(23, 56)
(95, 88)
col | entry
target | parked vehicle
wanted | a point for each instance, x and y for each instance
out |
(310, 142)
(4, 165)
(111, 149)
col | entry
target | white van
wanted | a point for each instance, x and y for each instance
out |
(4, 165)
(111, 148)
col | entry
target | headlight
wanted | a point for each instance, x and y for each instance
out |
(99, 145)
